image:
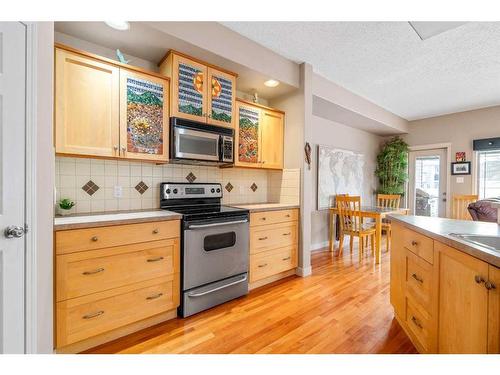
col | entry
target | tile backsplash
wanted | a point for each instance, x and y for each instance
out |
(97, 185)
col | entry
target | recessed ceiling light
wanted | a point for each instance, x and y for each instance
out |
(271, 83)
(118, 25)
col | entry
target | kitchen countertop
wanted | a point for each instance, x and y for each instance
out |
(101, 219)
(259, 207)
(440, 229)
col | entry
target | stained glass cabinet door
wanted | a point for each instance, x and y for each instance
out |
(189, 90)
(221, 96)
(247, 153)
(143, 116)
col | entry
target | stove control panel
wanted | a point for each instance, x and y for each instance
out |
(175, 190)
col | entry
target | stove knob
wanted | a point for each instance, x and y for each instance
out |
(212, 190)
(218, 190)
(175, 191)
(167, 191)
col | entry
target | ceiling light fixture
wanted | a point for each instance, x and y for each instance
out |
(271, 83)
(118, 25)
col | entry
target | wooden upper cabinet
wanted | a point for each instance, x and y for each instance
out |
(259, 136)
(463, 302)
(107, 109)
(200, 92)
(221, 97)
(247, 136)
(86, 105)
(143, 116)
(272, 139)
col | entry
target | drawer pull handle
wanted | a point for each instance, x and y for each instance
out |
(478, 279)
(262, 265)
(416, 322)
(155, 259)
(156, 231)
(287, 234)
(93, 272)
(93, 315)
(489, 285)
(414, 243)
(287, 258)
(155, 296)
(419, 279)
(95, 238)
(287, 215)
(262, 218)
(262, 238)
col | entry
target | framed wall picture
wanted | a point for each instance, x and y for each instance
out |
(460, 168)
(460, 156)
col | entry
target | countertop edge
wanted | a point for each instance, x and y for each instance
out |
(475, 251)
(96, 224)
(283, 206)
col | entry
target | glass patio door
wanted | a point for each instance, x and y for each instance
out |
(427, 182)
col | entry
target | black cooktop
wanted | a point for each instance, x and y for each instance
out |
(199, 212)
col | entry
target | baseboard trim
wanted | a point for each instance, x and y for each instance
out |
(320, 245)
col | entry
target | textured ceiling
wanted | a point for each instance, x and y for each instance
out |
(387, 63)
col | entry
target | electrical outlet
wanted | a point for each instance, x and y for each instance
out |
(118, 191)
(460, 180)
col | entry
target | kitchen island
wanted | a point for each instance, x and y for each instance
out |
(445, 289)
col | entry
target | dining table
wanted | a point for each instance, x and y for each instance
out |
(373, 212)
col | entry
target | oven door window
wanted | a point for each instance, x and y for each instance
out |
(219, 241)
(196, 145)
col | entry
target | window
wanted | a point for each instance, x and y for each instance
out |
(488, 174)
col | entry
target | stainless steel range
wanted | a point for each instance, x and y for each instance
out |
(214, 245)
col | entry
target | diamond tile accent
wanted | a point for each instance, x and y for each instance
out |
(254, 187)
(229, 187)
(90, 187)
(191, 177)
(141, 187)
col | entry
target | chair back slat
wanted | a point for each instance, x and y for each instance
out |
(388, 200)
(459, 207)
(349, 211)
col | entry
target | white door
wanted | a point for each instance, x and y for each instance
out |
(427, 182)
(12, 185)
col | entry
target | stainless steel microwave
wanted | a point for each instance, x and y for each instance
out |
(199, 143)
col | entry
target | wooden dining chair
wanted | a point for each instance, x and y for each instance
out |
(388, 201)
(459, 206)
(351, 224)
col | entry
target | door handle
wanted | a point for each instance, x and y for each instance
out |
(199, 226)
(14, 231)
(218, 288)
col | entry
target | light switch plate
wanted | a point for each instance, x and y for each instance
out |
(460, 180)
(118, 191)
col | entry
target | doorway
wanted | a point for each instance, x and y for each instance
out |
(427, 185)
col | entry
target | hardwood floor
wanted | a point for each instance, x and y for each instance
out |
(342, 308)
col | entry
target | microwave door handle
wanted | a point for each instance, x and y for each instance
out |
(220, 155)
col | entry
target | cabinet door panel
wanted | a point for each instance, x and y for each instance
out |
(272, 140)
(189, 89)
(221, 96)
(143, 116)
(463, 302)
(248, 136)
(86, 106)
(494, 311)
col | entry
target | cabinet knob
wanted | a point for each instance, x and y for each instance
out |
(478, 279)
(115, 148)
(124, 149)
(416, 322)
(419, 279)
(95, 238)
(414, 243)
(489, 285)
(156, 231)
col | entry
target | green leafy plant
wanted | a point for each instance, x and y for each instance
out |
(66, 204)
(392, 166)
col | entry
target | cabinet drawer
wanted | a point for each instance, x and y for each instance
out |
(272, 236)
(81, 318)
(88, 272)
(419, 325)
(419, 280)
(272, 262)
(419, 244)
(70, 241)
(273, 217)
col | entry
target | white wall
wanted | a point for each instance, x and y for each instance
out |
(330, 133)
(459, 129)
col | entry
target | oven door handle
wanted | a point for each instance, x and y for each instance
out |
(218, 288)
(200, 226)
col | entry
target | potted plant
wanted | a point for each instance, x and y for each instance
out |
(392, 167)
(65, 205)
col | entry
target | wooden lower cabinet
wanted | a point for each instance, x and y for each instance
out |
(446, 300)
(273, 245)
(101, 292)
